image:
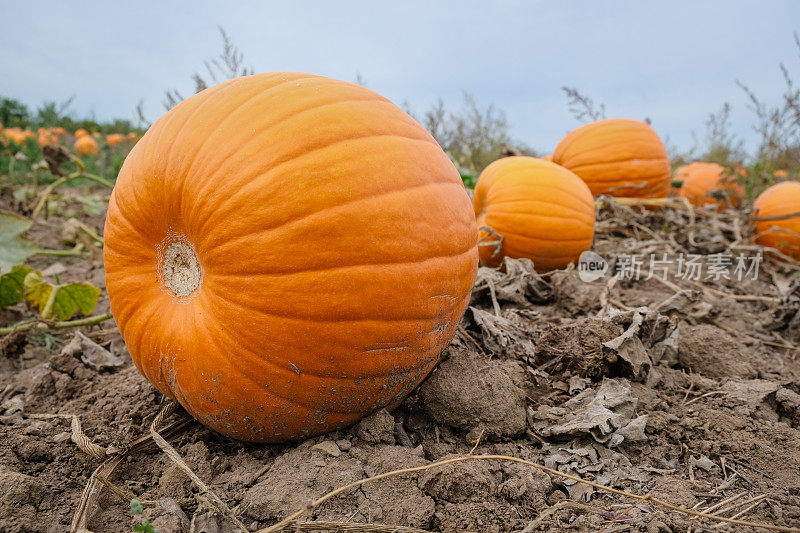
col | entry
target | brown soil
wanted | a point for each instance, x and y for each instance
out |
(692, 404)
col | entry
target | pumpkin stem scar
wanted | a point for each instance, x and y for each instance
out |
(179, 268)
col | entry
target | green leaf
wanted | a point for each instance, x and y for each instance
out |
(136, 507)
(37, 291)
(64, 302)
(14, 249)
(75, 297)
(11, 286)
(146, 527)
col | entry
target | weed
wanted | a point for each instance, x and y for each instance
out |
(473, 136)
(778, 125)
(144, 525)
(228, 65)
(583, 108)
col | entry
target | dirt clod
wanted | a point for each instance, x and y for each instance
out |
(470, 391)
(713, 353)
(377, 428)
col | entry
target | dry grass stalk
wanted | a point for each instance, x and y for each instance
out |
(91, 493)
(699, 514)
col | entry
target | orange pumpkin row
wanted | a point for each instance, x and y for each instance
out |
(85, 144)
(528, 207)
(543, 209)
(18, 135)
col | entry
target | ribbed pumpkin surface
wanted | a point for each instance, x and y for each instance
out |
(285, 253)
(617, 157)
(709, 184)
(543, 212)
(782, 234)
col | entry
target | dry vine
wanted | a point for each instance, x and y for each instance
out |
(699, 514)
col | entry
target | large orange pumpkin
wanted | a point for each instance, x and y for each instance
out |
(617, 157)
(528, 207)
(86, 145)
(709, 184)
(776, 213)
(286, 252)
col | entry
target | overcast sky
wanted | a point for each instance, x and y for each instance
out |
(673, 61)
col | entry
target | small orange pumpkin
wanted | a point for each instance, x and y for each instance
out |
(80, 133)
(86, 145)
(781, 174)
(114, 139)
(708, 184)
(45, 137)
(776, 213)
(617, 157)
(533, 208)
(286, 253)
(740, 170)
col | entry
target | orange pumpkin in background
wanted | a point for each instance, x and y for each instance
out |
(709, 184)
(776, 214)
(58, 131)
(17, 135)
(86, 145)
(45, 137)
(617, 157)
(781, 174)
(80, 133)
(286, 253)
(740, 170)
(533, 208)
(114, 139)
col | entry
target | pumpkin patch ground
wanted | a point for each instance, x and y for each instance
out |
(685, 392)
